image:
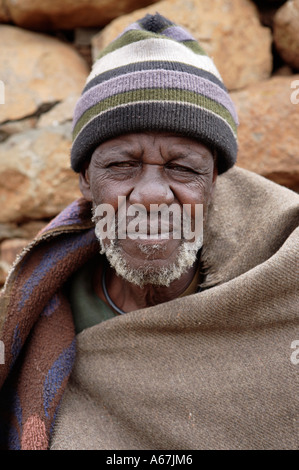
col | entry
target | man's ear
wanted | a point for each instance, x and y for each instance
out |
(84, 184)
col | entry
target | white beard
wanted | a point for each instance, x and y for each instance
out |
(150, 274)
(157, 276)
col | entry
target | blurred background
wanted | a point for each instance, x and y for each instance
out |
(46, 51)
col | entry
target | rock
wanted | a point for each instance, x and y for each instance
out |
(45, 15)
(60, 113)
(30, 229)
(267, 13)
(4, 270)
(35, 176)
(4, 15)
(9, 230)
(286, 32)
(38, 71)
(82, 42)
(269, 2)
(229, 31)
(268, 131)
(13, 127)
(284, 71)
(10, 249)
(27, 230)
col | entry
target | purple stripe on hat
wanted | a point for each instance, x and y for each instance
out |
(177, 33)
(153, 79)
(131, 27)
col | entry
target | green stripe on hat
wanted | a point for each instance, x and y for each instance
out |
(155, 94)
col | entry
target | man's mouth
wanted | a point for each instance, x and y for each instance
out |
(154, 233)
(151, 236)
(155, 227)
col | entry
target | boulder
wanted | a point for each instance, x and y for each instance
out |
(45, 15)
(269, 3)
(13, 127)
(268, 131)
(28, 230)
(229, 31)
(4, 269)
(286, 32)
(38, 71)
(10, 249)
(35, 177)
(4, 15)
(9, 230)
(59, 114)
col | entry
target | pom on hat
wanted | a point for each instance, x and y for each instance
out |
(155, 77)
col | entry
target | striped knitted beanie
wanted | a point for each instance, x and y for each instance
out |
(155, 77)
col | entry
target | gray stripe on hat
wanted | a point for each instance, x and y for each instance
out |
(156, 79)
(153, 65)
(157, 116)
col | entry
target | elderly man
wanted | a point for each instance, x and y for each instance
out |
(144, 339)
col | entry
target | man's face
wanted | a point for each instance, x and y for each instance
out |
(146, 169)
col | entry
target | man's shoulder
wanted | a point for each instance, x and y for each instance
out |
(249, 220)
(239, 181)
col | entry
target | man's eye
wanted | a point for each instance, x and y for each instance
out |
(182, 169)
(122, 165)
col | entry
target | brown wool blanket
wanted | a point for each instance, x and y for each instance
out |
(214, 370)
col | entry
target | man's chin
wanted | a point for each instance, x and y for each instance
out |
(152, 267)
(139, 252)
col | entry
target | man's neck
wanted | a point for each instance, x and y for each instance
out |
(129, 297)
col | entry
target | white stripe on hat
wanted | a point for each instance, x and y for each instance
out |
(152, 49)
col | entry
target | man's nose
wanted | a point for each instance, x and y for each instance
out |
(151, 188)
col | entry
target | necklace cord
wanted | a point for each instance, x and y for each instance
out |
(108, 298)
